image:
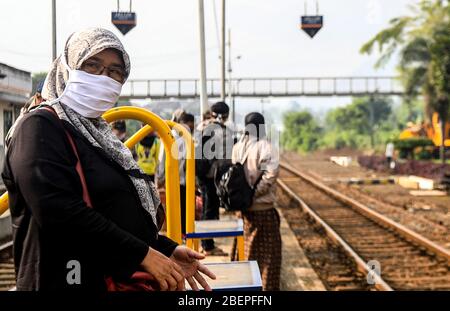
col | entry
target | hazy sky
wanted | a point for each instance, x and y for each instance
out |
(165, 41)
(164, 44)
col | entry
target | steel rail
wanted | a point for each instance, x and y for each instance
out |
(378, 218)
(361, 265)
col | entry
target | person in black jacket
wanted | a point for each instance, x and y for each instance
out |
(56, 234)
(216, 143)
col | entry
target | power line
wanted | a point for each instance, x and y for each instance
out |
(215, 21)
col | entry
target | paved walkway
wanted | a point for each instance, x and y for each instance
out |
(296, 272)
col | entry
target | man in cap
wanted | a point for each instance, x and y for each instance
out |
(216, 147)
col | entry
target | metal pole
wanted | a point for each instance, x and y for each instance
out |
(53, 30)
(222, 54)
(371, 120)
(203, 87)
(230, 84)
(233, 116)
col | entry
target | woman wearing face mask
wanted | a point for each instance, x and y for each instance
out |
(63, 240)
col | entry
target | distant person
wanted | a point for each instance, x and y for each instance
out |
(119, 129)
(206, 119)
(186, 120)
(389, 153)
(33, 102)
(214, 150)
(177, 114)
(147, 151)
(36, 99)
(261, 221)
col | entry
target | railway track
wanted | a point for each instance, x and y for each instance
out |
(7, 275)
(407, 260)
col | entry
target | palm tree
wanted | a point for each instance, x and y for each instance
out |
(440, 75)
(423, 41)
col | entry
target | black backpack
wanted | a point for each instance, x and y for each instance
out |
(206, 168)
(233, 190)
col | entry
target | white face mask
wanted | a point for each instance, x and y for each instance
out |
(88, 94)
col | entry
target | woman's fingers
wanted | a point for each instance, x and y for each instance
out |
(192, 283)
(163, 285)
(202, 281)
(180, 280)
(203, 269)
(172, 283)
(196, 255)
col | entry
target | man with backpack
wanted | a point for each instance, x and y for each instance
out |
(213, 152)
(254, 156)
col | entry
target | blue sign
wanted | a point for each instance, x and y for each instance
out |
(312, 24)
(124, 21)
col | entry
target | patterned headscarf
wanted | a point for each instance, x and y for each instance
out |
(79, 47)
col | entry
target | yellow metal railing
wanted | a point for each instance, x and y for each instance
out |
(3, 203)
(171, 165)
(190, 177)
(190, 169)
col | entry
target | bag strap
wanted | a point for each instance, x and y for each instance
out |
(257, 182)
(243, 159)
(78, 167)
(244, 154)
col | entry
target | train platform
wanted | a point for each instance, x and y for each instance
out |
(296, 271)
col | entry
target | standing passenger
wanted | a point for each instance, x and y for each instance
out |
(147, 151)
(261, 220)
(206, 119)
(389, 153)
(34, 101)
(106, 223)
(216, 147)
(119, 129)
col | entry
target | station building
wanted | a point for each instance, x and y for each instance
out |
(15, 89)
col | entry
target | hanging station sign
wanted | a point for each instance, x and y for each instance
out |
(124, 21)
(311, 24)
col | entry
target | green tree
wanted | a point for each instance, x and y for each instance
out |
(424, 43)
(301, 132)
(440, 75)
(353, 124)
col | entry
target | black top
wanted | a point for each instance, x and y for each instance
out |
(52, 225)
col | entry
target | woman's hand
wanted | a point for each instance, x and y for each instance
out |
(188, 260)
(166, 272)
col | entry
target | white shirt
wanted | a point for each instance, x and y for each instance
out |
(389, 150)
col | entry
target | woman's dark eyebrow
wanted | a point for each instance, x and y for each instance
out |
(94, 58)
(114, 64)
